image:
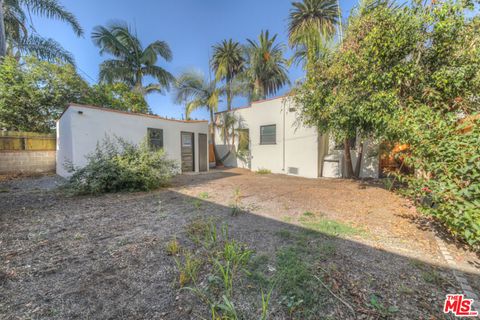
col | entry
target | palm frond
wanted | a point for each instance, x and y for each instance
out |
(227, 60)
(155, 49)
(164, 77)
(192, 89)
(132, 62)
(108, 42)
(53, 10)
(313, 17)
(189, 85)
(153, 87)
(116, 71)
(267, 67)
(45, 49)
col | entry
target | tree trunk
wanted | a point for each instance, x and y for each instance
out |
(358, 164)
(3, 40)
(212, 138)
(229, 95)
(348, 159)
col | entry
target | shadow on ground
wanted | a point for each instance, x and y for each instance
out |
(104, 258)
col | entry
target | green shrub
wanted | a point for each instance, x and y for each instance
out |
(263, 171)
(121, 166)
(447, 183)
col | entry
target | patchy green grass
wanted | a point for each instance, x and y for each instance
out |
(263, 171)
(203, 195)
(308, 214)
(172, 247)
(383, 310)
(197, 203)
(284, 234)
(329, 227)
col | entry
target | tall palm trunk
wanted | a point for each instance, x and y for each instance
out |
(229, 95)
(348, 159)
(258, 90)
(212, 138)
(3, 41)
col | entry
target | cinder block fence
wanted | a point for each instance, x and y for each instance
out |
(26, 152)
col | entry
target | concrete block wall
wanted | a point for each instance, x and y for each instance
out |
(24, 161)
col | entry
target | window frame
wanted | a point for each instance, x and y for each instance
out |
(262, 142)
(152, 146)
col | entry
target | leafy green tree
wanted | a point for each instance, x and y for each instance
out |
(311, 25)
(34, 93)
(18, 36)
(228, 61)
(116, 96)
(132, 62)
(409, 75)
(266, 70)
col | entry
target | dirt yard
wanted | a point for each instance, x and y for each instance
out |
(325, 249)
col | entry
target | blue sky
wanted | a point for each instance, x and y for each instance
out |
(190, 27)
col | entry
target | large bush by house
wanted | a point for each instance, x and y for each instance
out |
(117, 165)
(410, 75)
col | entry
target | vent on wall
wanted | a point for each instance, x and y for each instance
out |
(292, 170)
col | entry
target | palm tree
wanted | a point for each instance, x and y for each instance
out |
(132, 61)
(18, 36)
(227, 62)
(266, 70)
(311, 24)
(196, 92)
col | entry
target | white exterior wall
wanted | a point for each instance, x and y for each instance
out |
(78, 134)
(296, 146)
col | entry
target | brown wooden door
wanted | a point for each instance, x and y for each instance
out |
(187, 145)
(202, 152)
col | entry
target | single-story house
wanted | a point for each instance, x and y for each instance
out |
(269, 136)
(81, 127)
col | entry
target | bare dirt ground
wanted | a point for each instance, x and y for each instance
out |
(105, 258)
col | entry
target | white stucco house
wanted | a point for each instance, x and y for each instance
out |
(81, 127)
(269, 136)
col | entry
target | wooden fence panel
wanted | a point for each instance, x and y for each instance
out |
(16, 141)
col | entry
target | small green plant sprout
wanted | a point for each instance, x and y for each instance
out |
(388, 183)
(211, 234)
(224, 272)
(292, 304)
(188, 269)
(265, 303)
(308, 214)
(228, 309)
(173, 247)
(236, 254)
(203, 195)
(236, 202)
(78, 236)
(263, 171)
(196, 229)
(380, 307)
(197, 203)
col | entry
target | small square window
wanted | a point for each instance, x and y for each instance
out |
(155, 138)
(268, 134)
